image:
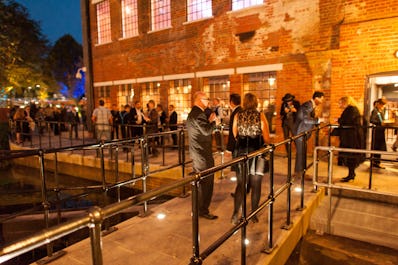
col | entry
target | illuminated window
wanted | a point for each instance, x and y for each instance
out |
(125, 95)
(199, 9)
(150, 91)
(161, 14)
(129, 18)
(104, 22)
(180, 97)
(239, 4)
(263, 85)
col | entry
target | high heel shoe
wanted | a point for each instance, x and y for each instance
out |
(235, 219)
(348, 178)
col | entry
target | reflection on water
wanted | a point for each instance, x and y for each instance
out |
(20, 188)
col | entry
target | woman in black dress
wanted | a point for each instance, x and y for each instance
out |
(351, 135)
(251, 131)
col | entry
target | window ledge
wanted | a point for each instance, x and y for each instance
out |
(248, 10)
(126, 38)
(197, 20)
(100, 44)
(154, 31)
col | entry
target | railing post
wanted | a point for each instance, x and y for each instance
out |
(304, 154)
(182, 159)
(195, 222)
(222, 149)
(117, 171)
(144, 167)
(245, 175)
(270, 247)
(95, 235)
(288, 224)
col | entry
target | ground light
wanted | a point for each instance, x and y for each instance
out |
(233, 179)
(297, 189)
(161, 216)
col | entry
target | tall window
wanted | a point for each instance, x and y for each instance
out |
(104, 22)
(263, 85)
(180, 97)
(239, 4)
(150, 91)
(199, 9)
(129, 18)
(161, 14)
(125, 95)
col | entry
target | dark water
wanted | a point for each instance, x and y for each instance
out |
(21, 211)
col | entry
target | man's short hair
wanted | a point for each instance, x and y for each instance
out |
(318, 94)
(101, 102)
(235, 98)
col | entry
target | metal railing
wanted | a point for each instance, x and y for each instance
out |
(329, 184)
(97, 216)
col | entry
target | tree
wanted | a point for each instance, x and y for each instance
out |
(23, 50)
(65, 59)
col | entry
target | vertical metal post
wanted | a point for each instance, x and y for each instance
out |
(222, 149)
(44, 197)
(57, 190)
(288, 224)
(144, 167)
(95, 235)
(117, 171)
(304, 154)
(181, 155)
(102, 166)
(269, 248)
(330, 174)
(60, 134)
(195, 223)
(245, 175)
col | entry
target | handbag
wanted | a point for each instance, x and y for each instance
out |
(262, 164)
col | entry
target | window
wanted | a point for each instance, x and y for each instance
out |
(150, 91)
(263, 85)
(180, 97)
(239, 4)
(125, 95)
(161, 16)
(218, 87)
(129, 18)
(104, 22)
(199, 9)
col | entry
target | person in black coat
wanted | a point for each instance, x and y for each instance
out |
(138, 119)
(234, 103)
(288, 113)
(200, 128)
(351, 135)
(173, 119)
(378, 137)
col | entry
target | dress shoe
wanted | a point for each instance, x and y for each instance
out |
(208, 216)
(348, 178)
(394, 148)
(235, 219)
(378, 166)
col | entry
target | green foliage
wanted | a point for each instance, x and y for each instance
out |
(23, 49)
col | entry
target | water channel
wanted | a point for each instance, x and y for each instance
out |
(21, 206)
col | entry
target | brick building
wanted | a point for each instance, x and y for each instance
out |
(167, 49)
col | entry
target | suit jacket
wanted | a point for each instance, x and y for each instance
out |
(200, 139)
(173, 121)
(305, 119)
(133, 113)
(231, 139)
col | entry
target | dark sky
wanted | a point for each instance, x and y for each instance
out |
(56, 17)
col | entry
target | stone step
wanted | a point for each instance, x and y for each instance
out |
(366, 220)
(330, 250)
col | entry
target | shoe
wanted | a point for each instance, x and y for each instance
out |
(347, 179)
(255, 219)
(235, 219)
(378, 166)
(208, 216)
(394, 148)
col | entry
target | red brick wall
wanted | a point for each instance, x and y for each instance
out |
(330, 45)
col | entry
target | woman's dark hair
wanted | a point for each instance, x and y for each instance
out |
(250, 101)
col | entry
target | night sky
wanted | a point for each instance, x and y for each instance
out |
(56, 17)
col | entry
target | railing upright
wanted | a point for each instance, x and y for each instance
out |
(144, 167)
(270, 247)
(288, 224)
(95, 235)
(195, 221)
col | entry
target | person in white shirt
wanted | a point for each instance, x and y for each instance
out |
(102, 118)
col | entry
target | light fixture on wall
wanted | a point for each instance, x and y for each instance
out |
(396, 54)
(271, 80)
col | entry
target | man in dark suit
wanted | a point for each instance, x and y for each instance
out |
(234, 103)
(138, 120)
(200, 130)
(305, 120)
(173, 123)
